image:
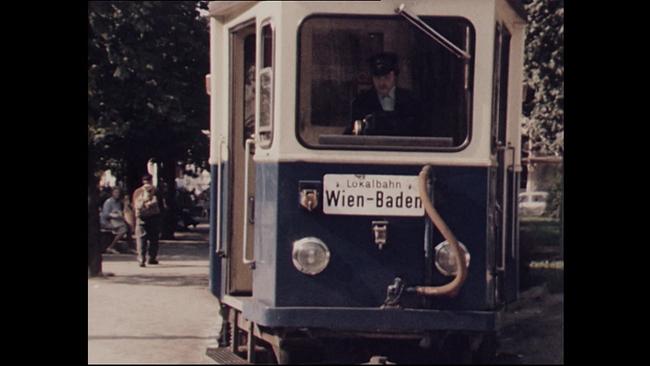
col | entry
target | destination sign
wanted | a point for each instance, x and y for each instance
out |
(381, 195)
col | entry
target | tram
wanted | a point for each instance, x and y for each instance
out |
(333, 237)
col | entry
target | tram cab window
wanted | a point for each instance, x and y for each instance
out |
(340, 63)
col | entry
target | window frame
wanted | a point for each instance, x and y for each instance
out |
(266, 129)
(469, 92)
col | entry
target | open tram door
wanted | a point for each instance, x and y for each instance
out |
(241, 86)
(241, 177)
(249, 106)
(232, 86)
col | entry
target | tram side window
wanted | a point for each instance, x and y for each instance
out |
(249, 87)
(266, 87)
(407, 90)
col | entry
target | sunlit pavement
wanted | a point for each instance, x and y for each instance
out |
(158, 314)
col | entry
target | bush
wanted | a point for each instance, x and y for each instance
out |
(555, 196)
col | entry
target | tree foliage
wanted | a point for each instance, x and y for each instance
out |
(146, 95)
(543, 125)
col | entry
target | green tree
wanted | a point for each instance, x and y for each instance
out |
(146, 94)
(543, 124)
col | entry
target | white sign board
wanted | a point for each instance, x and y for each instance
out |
(377, 195)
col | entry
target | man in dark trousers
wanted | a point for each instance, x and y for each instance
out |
(385, 109)
(148, 208)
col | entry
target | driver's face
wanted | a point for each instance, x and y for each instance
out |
(384, 83)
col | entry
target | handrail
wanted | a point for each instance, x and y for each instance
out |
(219, 250)
(514, 197)
(504, 213)
(249, 142)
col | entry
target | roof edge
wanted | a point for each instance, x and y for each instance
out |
(518, 7)
(227, 8)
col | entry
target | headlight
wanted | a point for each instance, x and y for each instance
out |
(446, 261)
(310, 255)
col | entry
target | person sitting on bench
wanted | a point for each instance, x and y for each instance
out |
(112, 219)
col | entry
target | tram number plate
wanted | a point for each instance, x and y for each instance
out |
(353, 194)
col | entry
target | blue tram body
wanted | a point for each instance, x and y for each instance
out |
(280, 181)
(358, 273)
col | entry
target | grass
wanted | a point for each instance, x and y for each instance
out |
(539, 232)
(539, 243)
(534, 219)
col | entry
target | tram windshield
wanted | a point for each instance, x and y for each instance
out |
(378, 82)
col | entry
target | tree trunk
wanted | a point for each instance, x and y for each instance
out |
(562, 223)
(94, 247)
(168, 190)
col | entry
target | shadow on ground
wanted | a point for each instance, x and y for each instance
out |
(168, 252)
(187, 246)
(188, 250)
(116, 337)
(196, 280)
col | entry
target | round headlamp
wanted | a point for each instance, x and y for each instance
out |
(446, 260)
(310, 255)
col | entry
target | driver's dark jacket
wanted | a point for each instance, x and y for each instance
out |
(402, 121)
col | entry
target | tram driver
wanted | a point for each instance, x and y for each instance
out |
(385, 109)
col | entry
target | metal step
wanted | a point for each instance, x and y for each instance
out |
(223, 356)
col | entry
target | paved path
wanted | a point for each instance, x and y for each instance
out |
(157, 314)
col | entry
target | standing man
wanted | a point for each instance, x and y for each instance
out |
(385, 108)
(148, 207)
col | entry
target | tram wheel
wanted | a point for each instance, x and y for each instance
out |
(297, 351)
(225, 335)
(282, 355)
(456, 349)
(487, 350)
